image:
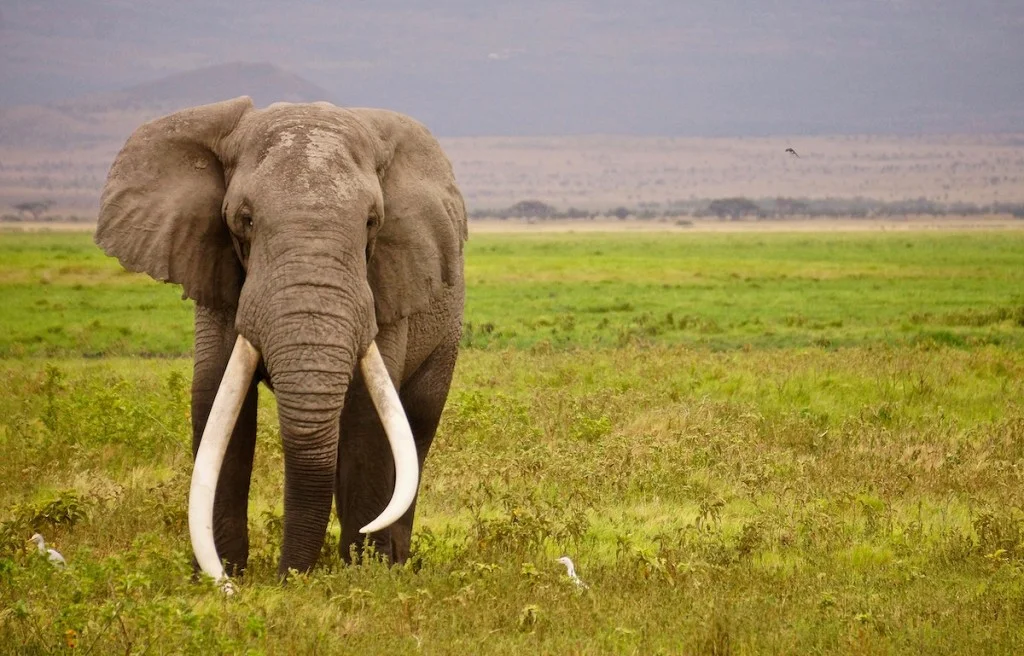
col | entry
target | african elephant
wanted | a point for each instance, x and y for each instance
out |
(311, 238)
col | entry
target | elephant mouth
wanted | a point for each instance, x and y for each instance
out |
(226, 406)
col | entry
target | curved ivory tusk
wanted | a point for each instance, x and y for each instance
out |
(228, 403)
(403, 447)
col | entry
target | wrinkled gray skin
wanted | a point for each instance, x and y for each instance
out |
(310, 230)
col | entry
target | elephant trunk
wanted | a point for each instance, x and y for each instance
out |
(310, 336)
(313, 318)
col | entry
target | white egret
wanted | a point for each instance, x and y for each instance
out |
(571, 571)
(52, 554)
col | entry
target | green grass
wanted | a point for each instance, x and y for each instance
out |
(726, 291)
(824, 488)
(63, 297)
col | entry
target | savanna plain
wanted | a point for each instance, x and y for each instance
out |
(748, 442)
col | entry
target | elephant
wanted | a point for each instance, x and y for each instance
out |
(311, 238)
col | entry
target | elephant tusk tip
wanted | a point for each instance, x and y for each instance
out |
(390, 515)
(374, 526)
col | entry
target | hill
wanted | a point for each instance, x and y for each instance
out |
(103, 117)
(265, 83)
(60, 152)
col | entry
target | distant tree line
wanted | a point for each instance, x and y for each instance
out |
(734, 208)
(741, 208)
(38, 211)
(779, 208)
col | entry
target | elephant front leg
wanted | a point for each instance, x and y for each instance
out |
(213, 342)
(365, 474)
(423, 397)
(365, 465)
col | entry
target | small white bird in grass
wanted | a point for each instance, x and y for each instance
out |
(52, 554)
(571, 571)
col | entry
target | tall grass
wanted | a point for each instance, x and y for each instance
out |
(729, 496)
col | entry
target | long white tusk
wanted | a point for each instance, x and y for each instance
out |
(403, 447)
(228, 403)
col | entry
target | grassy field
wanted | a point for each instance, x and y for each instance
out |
(749, 443)
(63, 297)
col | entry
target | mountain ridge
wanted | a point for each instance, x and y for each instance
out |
(95, 118)
(264, 82)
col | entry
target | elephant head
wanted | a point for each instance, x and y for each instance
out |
(312, 226)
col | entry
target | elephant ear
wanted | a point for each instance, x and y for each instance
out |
(160, 212)
(417, 253)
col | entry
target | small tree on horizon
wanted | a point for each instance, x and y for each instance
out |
(34, 207)
(733, 208)
(531, 209)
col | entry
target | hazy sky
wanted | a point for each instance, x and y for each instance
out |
(722, 67)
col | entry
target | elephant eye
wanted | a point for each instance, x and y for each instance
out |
(246, 216)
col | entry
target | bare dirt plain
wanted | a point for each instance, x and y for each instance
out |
(599, 172)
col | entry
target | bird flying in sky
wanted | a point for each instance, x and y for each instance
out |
(792, 152)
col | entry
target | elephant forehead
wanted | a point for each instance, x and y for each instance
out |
(322, 148)
(311, 156)
(311, 147)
